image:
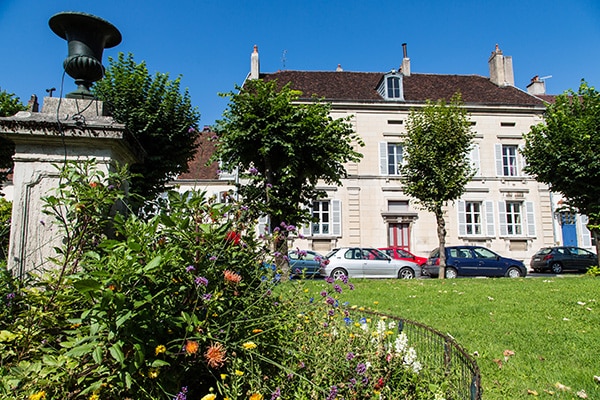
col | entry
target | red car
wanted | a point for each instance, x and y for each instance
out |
(401, 254)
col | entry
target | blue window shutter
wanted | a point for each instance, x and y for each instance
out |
(336, 217)
(383, 158)
(530, 218)
(462, 221)
(498, 152)
(502, 218)
(489, 219)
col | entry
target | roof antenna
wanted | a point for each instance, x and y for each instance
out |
(283, 59)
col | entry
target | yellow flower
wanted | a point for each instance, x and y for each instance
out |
(257, 330)
(238, 372)
(94, 397)
(160, 349)
(210, 396)
(223, 376)
(256, 396)
(249, 345)
(375, 302)
(153, 373)
(38, 396)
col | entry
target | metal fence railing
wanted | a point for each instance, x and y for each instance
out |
(442, 357)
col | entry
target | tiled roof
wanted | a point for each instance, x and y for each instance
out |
(362, 87)
(197, 168)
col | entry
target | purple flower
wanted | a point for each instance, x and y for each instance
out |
(351, 383)
(332, 393)
(323, 293)
(269, 186)
(201, 281)
(206, 296)
(191, 129)
(10, 296)
(329, 279)
(330, 312)
(189, 268)
(330, 300)
(213, 258)
(350, 356)
(338, 288)
(253, 171)
(351, 286)
(181, 395)
(110, 187)
(276, 394)
(361, 368)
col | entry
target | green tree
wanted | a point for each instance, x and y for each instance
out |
(9, 105)
(436, 168)
(564, 152)
(282, 148)
(158, 114)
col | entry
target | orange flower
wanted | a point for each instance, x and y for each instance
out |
(256, 396)
(232, 277)
(191, 347)
(215, 355)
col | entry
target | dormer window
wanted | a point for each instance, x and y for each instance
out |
(390, 87)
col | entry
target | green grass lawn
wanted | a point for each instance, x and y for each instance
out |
(551, 324)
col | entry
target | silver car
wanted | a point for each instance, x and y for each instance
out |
(367, 262)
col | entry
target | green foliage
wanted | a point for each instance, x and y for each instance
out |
(593, 271)
(9, 105)
(564, 151)
(159, 116)
(436, 167)
(181, 305)
(5, 217)
(282, 148)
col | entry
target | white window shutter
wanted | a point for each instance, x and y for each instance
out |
(475, 163)
(586, 237)
(502, 218)
(498, 152)
(336, 217)
(521, 161)
(263, 224)
(462, 221)
(530, 218)
(489, 219)
(306, 228)
(383, 158)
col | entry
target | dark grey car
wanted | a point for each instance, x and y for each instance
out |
(557, 259)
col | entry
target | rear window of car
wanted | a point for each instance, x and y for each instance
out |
(544, 251)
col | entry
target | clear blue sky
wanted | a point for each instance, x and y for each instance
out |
(209, 42)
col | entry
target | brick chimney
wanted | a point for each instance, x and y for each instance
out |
(537, 86)
(405, 67)
(501, 69)
(254, 64)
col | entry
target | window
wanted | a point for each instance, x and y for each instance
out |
(474, 160)
(476, 218)
(390, 87)
(517, 218)
(393, 87)
(390, 158)
(507, 160)
(327, 219)
(473, 217)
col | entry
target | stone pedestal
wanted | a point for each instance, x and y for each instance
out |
(66, 129)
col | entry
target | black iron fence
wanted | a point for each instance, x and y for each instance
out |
(442, 357)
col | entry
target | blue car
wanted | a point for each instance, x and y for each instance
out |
(306, 263)
(473, 261)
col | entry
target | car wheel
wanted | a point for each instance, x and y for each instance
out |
(451, 273)
(338, 273)
(406, 273)
(513, 272)
(556, 268)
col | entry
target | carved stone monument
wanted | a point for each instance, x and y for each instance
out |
(67, 129)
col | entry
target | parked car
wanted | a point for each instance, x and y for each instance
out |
(473, 261)
(305, 263)
(367, 262)
(400, 254)
(557, 259)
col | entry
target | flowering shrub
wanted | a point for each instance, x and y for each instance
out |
(180, 305)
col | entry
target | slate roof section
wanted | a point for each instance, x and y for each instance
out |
(362, 87)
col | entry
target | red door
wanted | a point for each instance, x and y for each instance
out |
(399, 236)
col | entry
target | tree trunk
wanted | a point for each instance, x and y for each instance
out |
(281, 260)
(441, 232)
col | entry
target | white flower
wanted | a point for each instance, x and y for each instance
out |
(400, 344)
(392, 325)
(381, 328)
(416, 367)
(410, 357)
